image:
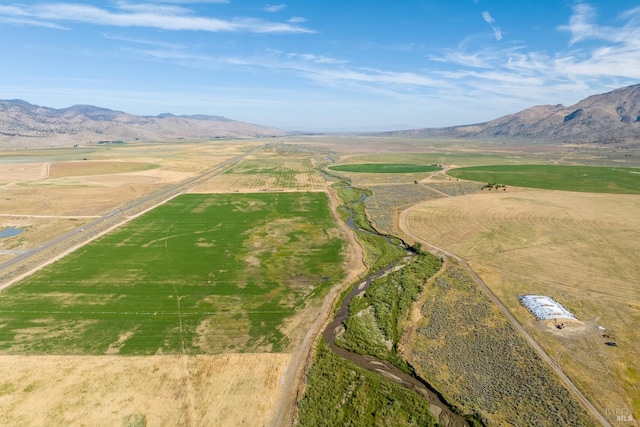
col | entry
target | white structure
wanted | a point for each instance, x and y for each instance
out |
(544, 307)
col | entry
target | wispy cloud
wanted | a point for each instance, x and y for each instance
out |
(397, 47)
(143, 42)
(30, 22)
(581, 26)
(497, 31)
(318, 59)
(597, 57)
(505, 72)
(274, 7)
(337, 72)
(193, 1)
(165, 17)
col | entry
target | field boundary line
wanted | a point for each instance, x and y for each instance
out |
(121, 217)
(51, 260)
(50, 216)
(518, 327)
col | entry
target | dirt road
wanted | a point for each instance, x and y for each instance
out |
(300, 362)
(543, 354)
(28, 262)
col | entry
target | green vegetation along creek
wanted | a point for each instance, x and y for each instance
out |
(339, 393)
(199, 274)
(366, 359)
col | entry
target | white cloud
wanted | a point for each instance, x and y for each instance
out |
(297, 20)
(497, 31)
(143, 42)
(30, 22)
(140, 15)
(318, 59)
(193, 1)
(147, 8)
(580, 24)
(487, 17)
(633, 15)
(274, 7)
(598, 58)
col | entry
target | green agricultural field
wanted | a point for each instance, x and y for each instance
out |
(385, 168)
(590, 179)
(285, 172)
(200, 274)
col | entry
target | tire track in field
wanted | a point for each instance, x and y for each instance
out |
(46, 170)
(518, 327)
(190, 397)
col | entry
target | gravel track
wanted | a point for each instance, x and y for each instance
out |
(543, 354)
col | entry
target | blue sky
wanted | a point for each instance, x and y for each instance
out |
(318, 64)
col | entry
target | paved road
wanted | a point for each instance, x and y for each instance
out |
(543, 354)
(73, 239)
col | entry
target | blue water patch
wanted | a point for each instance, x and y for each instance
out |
(10, 232)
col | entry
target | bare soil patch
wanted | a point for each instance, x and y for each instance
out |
(11, 172)
(84, 168)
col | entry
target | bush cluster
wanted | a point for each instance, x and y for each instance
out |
(476, 358)
(341, 394)
(375, 321)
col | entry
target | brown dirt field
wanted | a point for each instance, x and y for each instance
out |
(71, 200)
(85, 168)
(582, 249)
(231, 389)
(55, 187)
(23, 172)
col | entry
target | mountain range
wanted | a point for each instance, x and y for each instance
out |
(22, 123)
(608, 118)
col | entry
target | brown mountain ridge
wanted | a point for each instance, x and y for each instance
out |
(608, 118)
(22, 123)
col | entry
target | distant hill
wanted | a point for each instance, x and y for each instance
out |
(608, 118)
(25, 124)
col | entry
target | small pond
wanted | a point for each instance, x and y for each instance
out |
(10, 232)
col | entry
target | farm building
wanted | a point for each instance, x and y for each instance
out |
(544, 307)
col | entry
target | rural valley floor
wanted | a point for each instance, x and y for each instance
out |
(204, 305)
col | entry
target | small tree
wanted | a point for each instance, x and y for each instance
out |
(416, 248)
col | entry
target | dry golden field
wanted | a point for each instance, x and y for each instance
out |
(229, 389)
(580, 248)
(49, 192)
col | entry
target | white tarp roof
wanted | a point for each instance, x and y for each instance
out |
(544, 307)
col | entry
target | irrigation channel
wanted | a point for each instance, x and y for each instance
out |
(438, 405)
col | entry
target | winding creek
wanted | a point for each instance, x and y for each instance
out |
(438, 405)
